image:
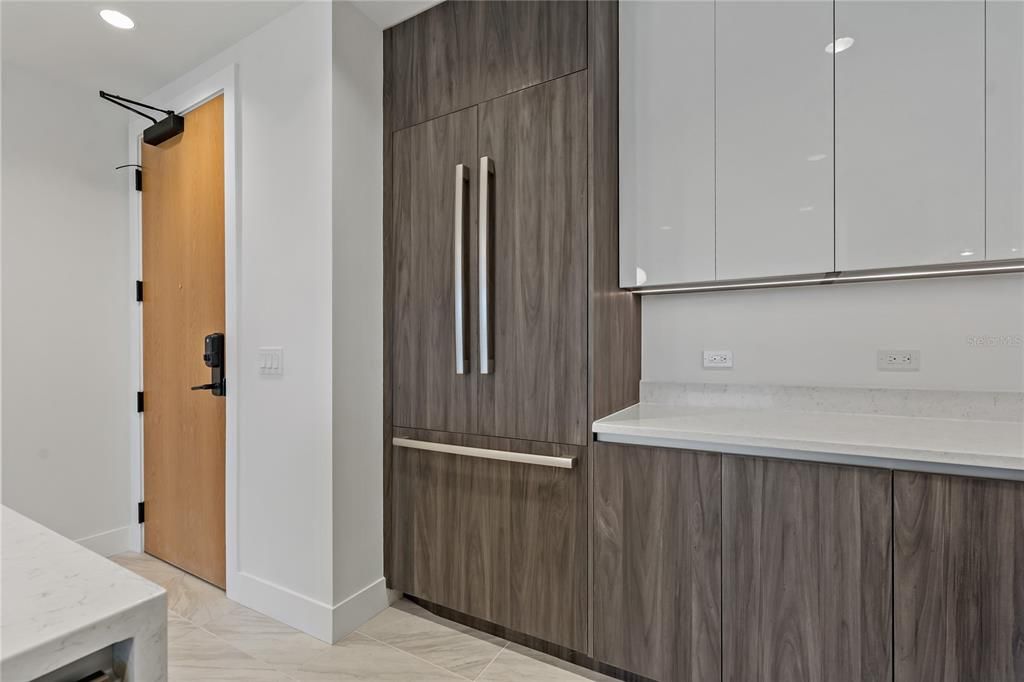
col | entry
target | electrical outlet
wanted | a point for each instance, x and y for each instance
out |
(899, 360)
(718, 359)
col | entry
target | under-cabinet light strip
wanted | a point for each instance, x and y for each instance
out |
(847, 277)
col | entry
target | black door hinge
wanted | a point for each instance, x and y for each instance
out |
(138, 290)
(142, 512)
(138, 179)
(139, 402)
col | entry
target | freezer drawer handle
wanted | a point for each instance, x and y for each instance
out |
(504, 455)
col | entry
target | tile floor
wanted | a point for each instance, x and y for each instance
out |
(213, 638)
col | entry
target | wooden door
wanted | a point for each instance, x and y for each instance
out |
(460, 53)
(959, 579)
(537, 142)
(183, 275)
(428, 391)
(451, 530)
(806, 572)
(658, 561)
(549, 552)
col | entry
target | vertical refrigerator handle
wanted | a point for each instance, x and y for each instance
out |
(486, 246)
(460, 260)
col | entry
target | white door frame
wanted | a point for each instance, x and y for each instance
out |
(222, 82)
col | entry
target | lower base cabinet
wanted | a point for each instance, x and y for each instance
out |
(806, 572)
(502, 541)
(959, 579)
(657, 562)
(716, 567)
(710, 567)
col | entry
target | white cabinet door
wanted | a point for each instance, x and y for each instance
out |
(774, 139)
(1004, 129)
(910, 133)
(666, 142)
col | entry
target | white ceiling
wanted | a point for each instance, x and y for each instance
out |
(68, 42)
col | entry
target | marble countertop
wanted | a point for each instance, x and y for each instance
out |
(942, 445)
(62, 602)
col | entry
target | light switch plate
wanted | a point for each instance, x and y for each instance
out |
(899, 360)
(270, 360)
(718, 359)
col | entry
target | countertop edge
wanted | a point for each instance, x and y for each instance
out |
(821, 456)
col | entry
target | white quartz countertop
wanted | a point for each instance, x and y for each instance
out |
(959, 446)
(62, 602)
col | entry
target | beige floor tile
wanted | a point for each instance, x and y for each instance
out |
(264, 638)
(197, 655)
(148, 567)
(449, 645)
(197, 600)
(358, 657)
(518, 663)
(178, 627)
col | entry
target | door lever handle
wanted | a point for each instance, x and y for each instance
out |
(205, 387)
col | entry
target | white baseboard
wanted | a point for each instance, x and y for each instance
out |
(280, 603)
(360, 607)
(109, 543)
(313, 617)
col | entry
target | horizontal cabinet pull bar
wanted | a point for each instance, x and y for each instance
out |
(483, 453)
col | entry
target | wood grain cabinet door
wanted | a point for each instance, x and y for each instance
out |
(460, 53)
(548, 552)
(959, 579)
(451, 526)
(657, 562)
(428, 391)
(536, 140)
(806, 572)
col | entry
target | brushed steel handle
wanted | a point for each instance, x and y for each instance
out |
(460, 274)
(484, 453)
(486, 276)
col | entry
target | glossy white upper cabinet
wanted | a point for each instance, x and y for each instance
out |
(666, 142)
(774, 138)
(1004, 130)
(910, 133)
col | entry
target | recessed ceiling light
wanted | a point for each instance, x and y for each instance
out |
(839, 45)
(967, 253)
(117, 19)
(817, 157)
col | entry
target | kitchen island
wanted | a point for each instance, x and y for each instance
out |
(63, 603)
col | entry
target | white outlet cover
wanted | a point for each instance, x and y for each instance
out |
(270, 360)
(898, 360)
(718, 359)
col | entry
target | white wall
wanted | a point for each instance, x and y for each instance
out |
(309, 442)
(358, 304)
(284, 491)
(66, 309)
(828, 335)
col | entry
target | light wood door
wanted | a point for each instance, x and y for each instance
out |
(806, 572)
(959, 577)
(183, 275)
(429, 393)
(537, 142)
